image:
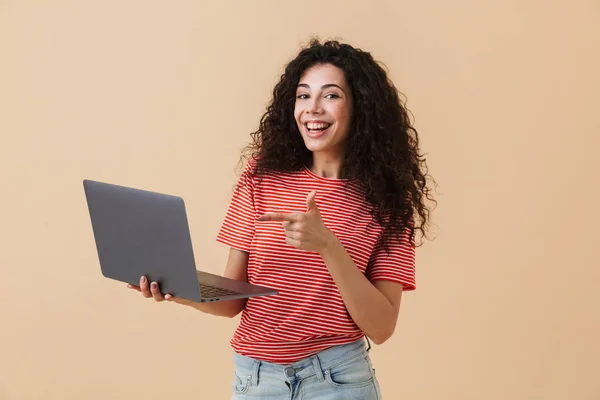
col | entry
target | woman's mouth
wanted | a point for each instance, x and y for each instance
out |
(316, 129)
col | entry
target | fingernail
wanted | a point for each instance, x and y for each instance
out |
(143, 279)
(154, 285)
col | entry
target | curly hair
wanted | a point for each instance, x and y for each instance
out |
(382, 154)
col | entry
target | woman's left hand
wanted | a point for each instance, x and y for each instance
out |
(304, 230)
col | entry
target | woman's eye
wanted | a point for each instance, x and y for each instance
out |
(302, 96)
(332, 96)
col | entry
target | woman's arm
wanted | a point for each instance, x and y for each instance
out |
(374, 307)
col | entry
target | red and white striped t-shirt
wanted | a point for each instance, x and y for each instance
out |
(308, 315)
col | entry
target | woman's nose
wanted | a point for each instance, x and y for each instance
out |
(314, 107)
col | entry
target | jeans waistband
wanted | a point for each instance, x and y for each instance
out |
(316, 364)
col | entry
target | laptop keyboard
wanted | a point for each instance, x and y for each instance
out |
(213, 291)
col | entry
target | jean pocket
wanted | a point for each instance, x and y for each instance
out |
(356, 373)
(241, 382)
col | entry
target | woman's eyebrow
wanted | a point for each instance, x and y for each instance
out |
(304, 85)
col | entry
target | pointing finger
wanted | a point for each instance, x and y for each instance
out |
(278, 217)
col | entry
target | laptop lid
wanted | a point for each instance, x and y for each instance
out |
(139, 232)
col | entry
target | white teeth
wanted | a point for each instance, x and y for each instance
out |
(317, 125)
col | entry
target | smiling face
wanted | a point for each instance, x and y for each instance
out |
(323, 110)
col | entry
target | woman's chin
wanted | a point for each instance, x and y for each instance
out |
(315, 148)
(315, 145)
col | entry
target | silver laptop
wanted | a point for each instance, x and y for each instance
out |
(143, 233)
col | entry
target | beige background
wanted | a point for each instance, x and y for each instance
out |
(162, 95)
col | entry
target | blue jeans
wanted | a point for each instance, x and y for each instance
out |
(340, 372)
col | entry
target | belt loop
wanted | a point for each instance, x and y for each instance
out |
(369, 342)
(317, 367)
(255, 369)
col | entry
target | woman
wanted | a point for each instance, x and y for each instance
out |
(326, 212)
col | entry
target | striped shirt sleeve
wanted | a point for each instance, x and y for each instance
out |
(398, 265)
(237, 229)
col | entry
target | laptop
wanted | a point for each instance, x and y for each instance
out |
(143, 233)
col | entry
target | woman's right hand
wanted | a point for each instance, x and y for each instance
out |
(237, 268)
(152, 290)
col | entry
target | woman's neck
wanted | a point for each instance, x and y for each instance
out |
(327, 166)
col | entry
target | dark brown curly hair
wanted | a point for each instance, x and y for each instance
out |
(382, 153)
